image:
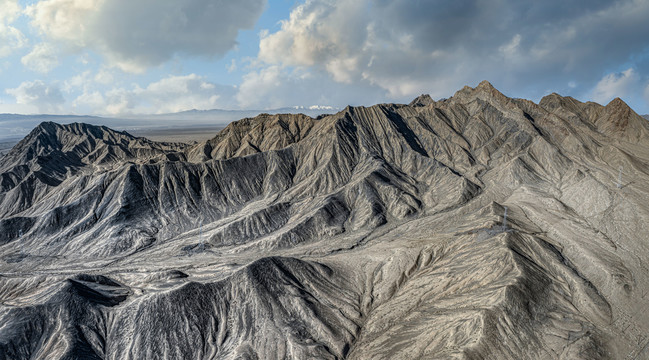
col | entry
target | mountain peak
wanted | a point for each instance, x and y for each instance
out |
(485, 85)
(617, 104)
(484, 90)
(46, 127)
(78, 129)
(618, 119)
(422, 100)
(619, 111)
(53, 151)
(554, 101)
(47, 124)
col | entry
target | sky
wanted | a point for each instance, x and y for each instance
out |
(118, 57)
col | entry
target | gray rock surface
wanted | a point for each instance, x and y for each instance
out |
(474, 227)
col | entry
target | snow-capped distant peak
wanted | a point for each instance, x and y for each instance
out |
(315, 107)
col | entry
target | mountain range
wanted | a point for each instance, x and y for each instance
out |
(478, 226)
(14, 125)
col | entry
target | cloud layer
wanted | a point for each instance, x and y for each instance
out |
(37, 94)
(11, 39)
(42, 58)
(273, 87)
(407, 47)
(616, 85)
(135, 35)
(170, 94)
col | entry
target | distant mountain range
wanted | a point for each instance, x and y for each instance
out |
(15, 126)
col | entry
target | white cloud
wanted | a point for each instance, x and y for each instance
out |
(11, 38)
(168, 95)
(104, 77)
(615, 85)
(408, 47)
(134, 35)
(511, 50)
(89, 102)
(233, 66)
(325, 33)
(80, 81)
(42, 58)
(9, 10)
(46, 98)
(258, 85)
(116, 101)
(274, 87)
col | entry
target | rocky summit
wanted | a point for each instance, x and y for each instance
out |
(474, 227)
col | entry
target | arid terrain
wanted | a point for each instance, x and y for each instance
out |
(187, 135)
(475, 227)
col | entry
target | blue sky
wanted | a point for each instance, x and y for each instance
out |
(117, 57)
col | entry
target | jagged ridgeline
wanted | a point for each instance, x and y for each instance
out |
(374, 233)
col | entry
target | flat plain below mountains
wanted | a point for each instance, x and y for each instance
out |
(474, 227)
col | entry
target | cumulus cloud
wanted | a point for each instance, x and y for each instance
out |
(168, 95)
(104, 77)
(134, 35)
(79, 81)
(46, 98)
(275, 87)
(408, 47)
(42, 58)
(9, 10)
(89, 102)
(616, 85)
(11, 38)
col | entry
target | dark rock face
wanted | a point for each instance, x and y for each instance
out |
(478, 226)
